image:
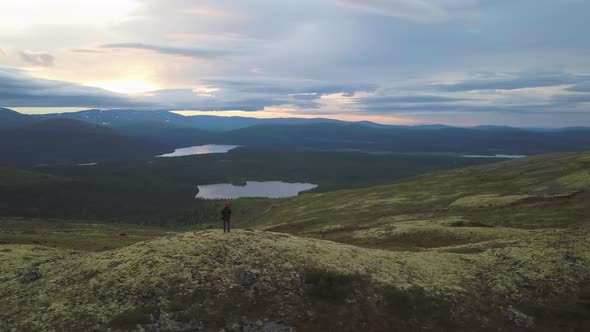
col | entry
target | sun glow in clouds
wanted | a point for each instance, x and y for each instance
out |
(126, 87)
(205, 91)
(283, 112)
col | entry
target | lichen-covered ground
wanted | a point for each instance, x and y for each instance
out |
(495, 248)
(207, 279)
(454, 207)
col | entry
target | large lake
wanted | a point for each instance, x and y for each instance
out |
(200, 149)
(504, 156)
(268, 189)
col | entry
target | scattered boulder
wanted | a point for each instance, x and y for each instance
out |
(570, 257)
(246, 278)
(113, 265)
(469, 223)
(519, 264)
(89, 274)
(519, 318)
(196, 273)
(39, 249)
(298, 276)
(32, 274)
(245, 325)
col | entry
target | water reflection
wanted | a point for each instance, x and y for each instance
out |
(505, 156)
(268, 189)
(200, 149)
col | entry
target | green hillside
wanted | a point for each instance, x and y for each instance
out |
(500, 247)
(253, 279)
(461, 206)
(65, 141)
(12, 176)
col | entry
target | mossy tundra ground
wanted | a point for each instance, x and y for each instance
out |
(500, 247)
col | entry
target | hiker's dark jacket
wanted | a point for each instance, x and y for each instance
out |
(225, 213)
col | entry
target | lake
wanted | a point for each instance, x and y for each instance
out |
(200, 149)
(268, 189)
(505, 156)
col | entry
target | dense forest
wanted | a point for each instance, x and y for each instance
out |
(162, 190)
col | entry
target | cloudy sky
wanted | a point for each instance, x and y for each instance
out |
(460, 62)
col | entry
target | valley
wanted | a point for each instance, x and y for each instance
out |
(325, 238)
(501, 246)
(294, 166)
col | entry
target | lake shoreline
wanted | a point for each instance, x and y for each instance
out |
(199, 150)
(253, 189)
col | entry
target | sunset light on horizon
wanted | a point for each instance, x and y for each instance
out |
(388, 61)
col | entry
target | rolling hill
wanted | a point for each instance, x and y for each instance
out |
(249, 281)
(170, 128)
(174, 135)
(499, 247)
(12, 176)
(161, 190)
(546, 191)
(123, 117)
(265, 281)
(413, 139)
(10, 118)
(63, 141)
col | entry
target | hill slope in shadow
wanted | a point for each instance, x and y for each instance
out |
(70, 141)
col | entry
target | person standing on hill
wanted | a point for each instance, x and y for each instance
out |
(226, 216)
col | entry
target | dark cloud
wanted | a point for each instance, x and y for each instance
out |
(518, 81)
(17, 89)
(87, 51)
(290, 87)
(188, 99)
(581, 87)
(177, 51)
(424, 11)
(573, 98)
(412, 103)
(423, 99)
(37, 59)
(470, 110)
(306, 96)
(405, 108)
(345, 89)
(253, 86)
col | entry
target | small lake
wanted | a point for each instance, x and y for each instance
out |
(504, 156)
(200, 149)
(268, 189)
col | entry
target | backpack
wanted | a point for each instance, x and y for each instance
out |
(225, 213)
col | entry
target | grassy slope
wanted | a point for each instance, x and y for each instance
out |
(540, 192)
(64, 141)
(12, 176)
(77, 235)
(443, 269)
(210, 279)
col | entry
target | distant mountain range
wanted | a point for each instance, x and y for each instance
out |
(65, 141)
(94, 135)
(10, 118)
(124, 118)
(129, 118)
(414, 140)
